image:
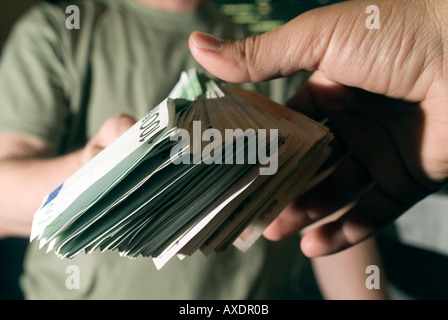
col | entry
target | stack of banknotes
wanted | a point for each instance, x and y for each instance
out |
(210, 166)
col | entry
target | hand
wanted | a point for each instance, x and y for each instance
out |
(28, 169)
(385, 93)
(110, 130)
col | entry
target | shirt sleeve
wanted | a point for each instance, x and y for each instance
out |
(33, 77)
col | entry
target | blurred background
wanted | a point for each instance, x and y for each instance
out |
(414, 250)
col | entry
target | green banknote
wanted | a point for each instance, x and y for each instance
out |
(210, 166)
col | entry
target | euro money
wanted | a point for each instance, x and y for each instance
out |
(210, 167)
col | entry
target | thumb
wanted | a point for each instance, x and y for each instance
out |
(109, 131)
(113, 128)
(301, 44)
(335, 39)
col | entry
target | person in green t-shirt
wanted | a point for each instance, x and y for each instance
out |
(67, 94)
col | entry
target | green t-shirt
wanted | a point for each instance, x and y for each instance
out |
(61, 84)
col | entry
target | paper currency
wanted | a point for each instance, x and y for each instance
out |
(210, 166)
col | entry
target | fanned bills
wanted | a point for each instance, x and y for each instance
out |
(210, 166)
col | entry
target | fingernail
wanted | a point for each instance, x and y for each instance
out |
(206, 41)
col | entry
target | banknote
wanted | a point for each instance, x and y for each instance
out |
(211, 166)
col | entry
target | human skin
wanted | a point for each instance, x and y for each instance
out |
(385, 93)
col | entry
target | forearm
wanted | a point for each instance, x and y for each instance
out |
(23, 184)
(343, 275)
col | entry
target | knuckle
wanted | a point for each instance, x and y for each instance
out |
(248, 51)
